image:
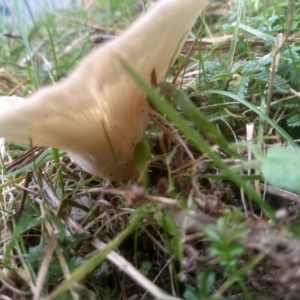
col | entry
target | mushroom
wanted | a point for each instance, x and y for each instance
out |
(99, 113)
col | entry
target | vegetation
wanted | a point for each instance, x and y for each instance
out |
(215, 214)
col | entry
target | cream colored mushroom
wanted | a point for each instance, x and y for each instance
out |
(99, 113)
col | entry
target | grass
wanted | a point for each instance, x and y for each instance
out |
(215, 216)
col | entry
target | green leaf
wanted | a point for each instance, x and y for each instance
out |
(294, 121)
(176, 246)
(212, 233)
(146, 265)
(142, 154)
(262, 35)
(145, 268)
(281, 84)
(164, 218)
(205, 281)
(281, 168)
(190, 293)
(36, 253)
(235, 250)
(239, 86)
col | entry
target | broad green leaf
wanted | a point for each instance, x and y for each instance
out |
(206, 280)
(281, 168)
(142, 154)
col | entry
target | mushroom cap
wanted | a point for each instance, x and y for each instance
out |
(99, 113)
